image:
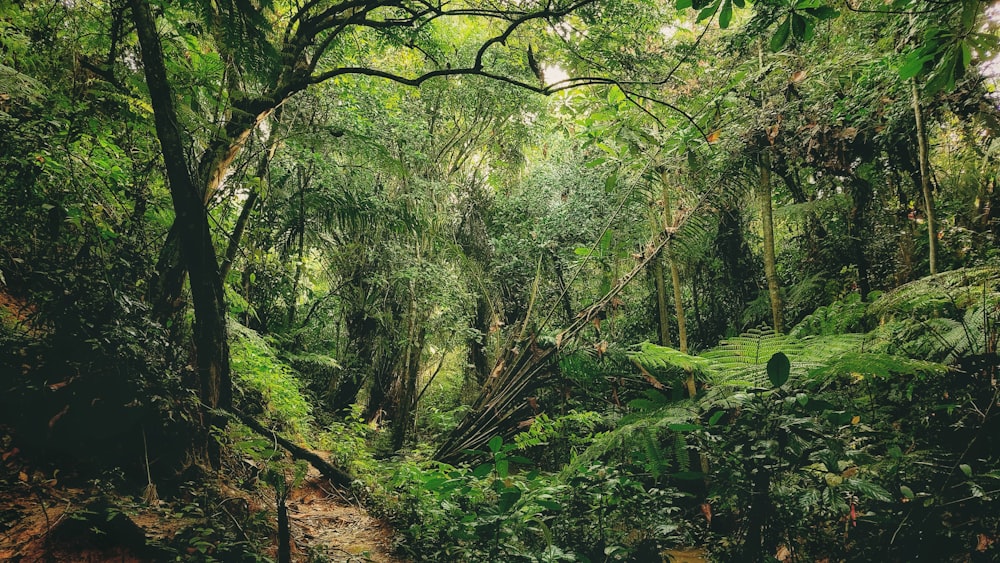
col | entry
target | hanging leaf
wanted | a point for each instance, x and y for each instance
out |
(823, 12)
(615, 95)
(495, 443)
(778, 369)
(708, 11)
(726, 15)
(913, 64)
(798, 26)
(781, 35)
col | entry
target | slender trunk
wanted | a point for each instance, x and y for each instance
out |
(760, 508)
(477, 342)
(197, 251)
(767, 220)
(861, 194)
(299, 256)
(234, 239)
(675, 276)
(661, 301)
(563, 290)
(675, 279)
(656, 265)
(403, 423)
(284, 532)
(244, 218)
(925, 184)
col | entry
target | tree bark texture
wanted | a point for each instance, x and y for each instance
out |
(925, 184)
(191, 222)
(767, 221)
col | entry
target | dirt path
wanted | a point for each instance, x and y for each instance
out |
(325, 523)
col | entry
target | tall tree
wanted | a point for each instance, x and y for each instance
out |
(210, 337)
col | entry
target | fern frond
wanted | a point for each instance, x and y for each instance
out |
(653, 357)
(634, 436)
(681, 452)
(875, 365)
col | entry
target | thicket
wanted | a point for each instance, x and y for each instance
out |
(737, 288)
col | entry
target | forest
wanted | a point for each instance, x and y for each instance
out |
(499, 280)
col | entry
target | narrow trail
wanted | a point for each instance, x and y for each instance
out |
(324, 522)
(42, 521)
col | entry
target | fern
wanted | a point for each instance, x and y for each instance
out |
(942, 293)
(642, 435)
(875, 365)
(681, 452)
(940, 318)
(663, 358)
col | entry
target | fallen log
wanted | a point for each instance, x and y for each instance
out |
(336, 475)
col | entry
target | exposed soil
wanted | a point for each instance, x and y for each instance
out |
(332, 525)
(41, 520)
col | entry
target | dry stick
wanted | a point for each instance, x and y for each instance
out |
(149, 494)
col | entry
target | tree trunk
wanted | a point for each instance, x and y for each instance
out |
(925, 184)
(195, 240)
(675, 279)
(563, 290)
(861, 194)
(767, 220)
(299, 255)
(244, 218)
(403, 423)
(477, 343)
(661, 301)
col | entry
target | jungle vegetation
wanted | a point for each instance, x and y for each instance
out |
(560, 280)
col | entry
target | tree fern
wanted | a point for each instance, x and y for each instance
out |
(646, 435)
(875, 365)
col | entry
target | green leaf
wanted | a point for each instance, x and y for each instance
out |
(509, 498)
(610, 183)
(615, 95)
(726, 15)
(966, 468)
(482, 471)
(683, 4)
(503, 468)
(739, 3)
(807, 4)
(781, 35)
(549, 504)
(778, 369)
(907, 492)
(708, 11)
(912, 65)
(714, 419)
(798, 26)
(823, 12)
(495, 443)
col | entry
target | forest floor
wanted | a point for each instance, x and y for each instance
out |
(325, 522)
(43, 520)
